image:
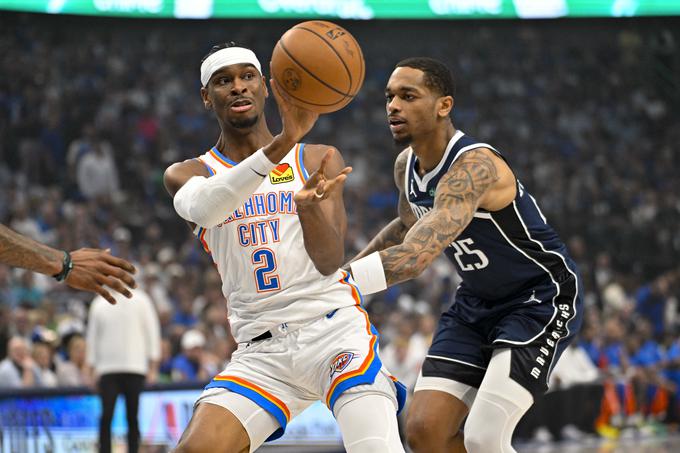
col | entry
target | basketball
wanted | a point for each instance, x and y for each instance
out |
(319, 65)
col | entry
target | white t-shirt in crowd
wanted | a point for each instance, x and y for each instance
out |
(125, 337)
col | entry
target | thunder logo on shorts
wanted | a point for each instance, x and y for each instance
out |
(341, 361)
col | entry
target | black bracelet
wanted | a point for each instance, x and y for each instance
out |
(67, 266)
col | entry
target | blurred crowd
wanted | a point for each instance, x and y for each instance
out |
(92, 111)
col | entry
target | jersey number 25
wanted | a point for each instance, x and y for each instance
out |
(462, 247)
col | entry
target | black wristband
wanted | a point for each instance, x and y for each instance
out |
(67, 266)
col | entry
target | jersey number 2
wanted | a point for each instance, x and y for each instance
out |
(462, 248)
(265, 264)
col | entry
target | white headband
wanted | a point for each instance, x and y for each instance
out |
(227, 57)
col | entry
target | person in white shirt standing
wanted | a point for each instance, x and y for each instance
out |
(123, 347)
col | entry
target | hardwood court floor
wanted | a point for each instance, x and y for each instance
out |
(651, 445)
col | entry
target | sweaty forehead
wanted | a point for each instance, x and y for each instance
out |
(406, 78)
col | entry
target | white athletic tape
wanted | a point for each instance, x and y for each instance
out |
(369, 274)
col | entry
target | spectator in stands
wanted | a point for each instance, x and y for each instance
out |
(184, 314)
(190, 364)
(649, 385)
(22, 325)
(19, 370)
(672, 374)
(43, 355)
(651, 300)
(165, 363)
(396, 358)
(96, 171)
(74, 371)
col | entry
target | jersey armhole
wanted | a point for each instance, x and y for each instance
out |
(300, 162)
(210, 169)
(407, 172)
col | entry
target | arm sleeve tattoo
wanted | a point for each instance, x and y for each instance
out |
(456, 200)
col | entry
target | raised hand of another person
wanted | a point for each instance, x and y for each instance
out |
(319, 187)
(95, 268)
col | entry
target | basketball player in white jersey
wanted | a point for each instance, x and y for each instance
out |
(270, 212)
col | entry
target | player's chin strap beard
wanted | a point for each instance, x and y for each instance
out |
(404, 141)
(243, 123)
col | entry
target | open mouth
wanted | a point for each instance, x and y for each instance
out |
(396, 124)
(242, 105)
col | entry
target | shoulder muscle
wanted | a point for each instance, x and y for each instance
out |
(400, 169)
(471, 178)
(313, 155)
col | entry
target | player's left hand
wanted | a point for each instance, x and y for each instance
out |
(319, 187)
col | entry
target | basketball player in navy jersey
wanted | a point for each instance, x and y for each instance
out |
(519, 302)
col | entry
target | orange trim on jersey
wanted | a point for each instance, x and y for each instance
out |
(355, 292)
(359, 371)
(219, 159)
(268, 396)
(299, 165)
(201, 237)
(371, 347)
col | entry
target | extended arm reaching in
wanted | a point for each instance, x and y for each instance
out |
(91, 268)
(479, 178)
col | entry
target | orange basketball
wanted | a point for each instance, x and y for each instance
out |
(319, 65)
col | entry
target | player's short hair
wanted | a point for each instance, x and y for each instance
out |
(218, 47)
(438, 76)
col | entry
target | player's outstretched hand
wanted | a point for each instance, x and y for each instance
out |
(94, 268)
(296, 121)
(318, 187)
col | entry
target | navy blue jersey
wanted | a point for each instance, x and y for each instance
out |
(499, 254)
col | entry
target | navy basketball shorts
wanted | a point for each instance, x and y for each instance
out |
(536, 324)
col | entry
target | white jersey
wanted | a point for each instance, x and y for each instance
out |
(267, 276)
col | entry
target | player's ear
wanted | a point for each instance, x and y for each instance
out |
(264, 84)
(445, 105)
(206, 101)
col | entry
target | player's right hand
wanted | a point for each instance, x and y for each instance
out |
(94, 268)
(296, 121)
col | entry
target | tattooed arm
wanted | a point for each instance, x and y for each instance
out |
(395, 231)
(92, 268)
(21, 251)
(478, 179)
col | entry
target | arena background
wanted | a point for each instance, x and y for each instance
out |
(587, 110)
